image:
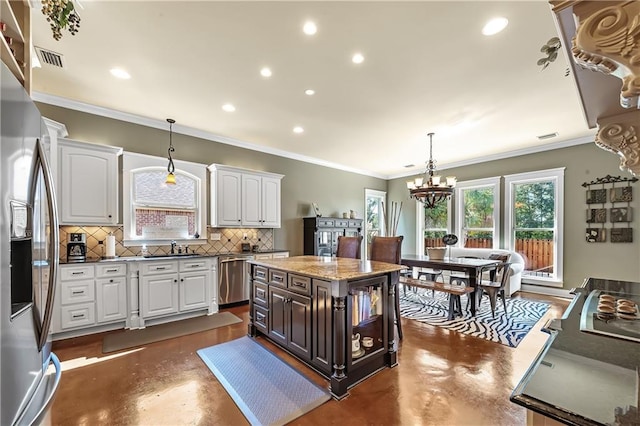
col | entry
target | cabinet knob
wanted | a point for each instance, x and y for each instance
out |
(109, 216)
(110, 281)
(181, 279)
(175, 281)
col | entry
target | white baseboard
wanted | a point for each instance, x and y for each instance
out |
(550, 291)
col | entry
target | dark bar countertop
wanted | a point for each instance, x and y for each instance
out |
(583, 377)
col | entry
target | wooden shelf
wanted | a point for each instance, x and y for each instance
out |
(16, 15)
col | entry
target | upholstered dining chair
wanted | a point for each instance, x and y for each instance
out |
(494, 287)
(389, 249)
(349, 247)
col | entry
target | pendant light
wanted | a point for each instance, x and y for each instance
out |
(171, 178)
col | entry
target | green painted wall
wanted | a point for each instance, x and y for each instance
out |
(335, 191)
(583, 163)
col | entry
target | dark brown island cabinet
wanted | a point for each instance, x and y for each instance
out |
(321, 234)
(334, 314)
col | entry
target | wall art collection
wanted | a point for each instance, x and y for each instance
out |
(609, 202)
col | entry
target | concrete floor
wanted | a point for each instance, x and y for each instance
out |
(443, 378)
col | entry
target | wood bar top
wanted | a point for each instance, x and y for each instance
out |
(329, 268)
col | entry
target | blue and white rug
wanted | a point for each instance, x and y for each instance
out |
(266, 389)
(507, 329)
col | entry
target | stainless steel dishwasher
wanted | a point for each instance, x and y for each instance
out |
(233, 279)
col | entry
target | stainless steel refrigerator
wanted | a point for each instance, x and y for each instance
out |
(29, 371)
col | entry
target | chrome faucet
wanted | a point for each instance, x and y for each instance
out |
(173, 247)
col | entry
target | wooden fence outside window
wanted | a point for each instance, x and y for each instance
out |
(537, 254)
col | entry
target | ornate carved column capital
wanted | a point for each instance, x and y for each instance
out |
(608, 40)
(619, 135)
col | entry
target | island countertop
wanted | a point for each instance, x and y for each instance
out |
(329, 268)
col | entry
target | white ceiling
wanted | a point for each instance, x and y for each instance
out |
(427, 68)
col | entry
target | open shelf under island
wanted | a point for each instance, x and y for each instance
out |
(322, 309)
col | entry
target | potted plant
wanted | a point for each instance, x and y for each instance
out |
(60, 15)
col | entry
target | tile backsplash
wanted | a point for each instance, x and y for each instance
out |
(230, 241)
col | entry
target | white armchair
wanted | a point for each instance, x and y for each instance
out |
(517, 263)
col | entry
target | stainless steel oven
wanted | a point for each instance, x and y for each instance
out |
(233, 279)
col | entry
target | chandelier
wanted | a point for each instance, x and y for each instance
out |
(171, 178)
(430, 189)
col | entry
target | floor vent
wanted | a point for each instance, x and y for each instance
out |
(49, 57)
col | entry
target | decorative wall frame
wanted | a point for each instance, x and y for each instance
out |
(615, 193)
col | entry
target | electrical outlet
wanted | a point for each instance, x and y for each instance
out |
(244, 236)
(215, 236)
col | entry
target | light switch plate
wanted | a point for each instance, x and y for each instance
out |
(215, 236)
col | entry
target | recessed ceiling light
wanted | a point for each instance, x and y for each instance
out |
(310, 28)
(298, 129)
(310, 92)
(357, 58)
(120, 73)
(228, 107)
(494, 26)
(265, 72)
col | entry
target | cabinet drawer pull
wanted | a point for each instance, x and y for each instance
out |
(299, 284)
(278, 278)
(260, 316)
(260, 293)
(78, 273)
(160, 268)
(112, 270)
(195, 266)
(74, 316)
(77, 292)
(260, 274)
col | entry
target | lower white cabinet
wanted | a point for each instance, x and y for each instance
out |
(276, 255)
(171, 287)
(88, 295)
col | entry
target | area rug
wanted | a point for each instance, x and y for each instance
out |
(266, 389)
(155, 333)
(507, 329)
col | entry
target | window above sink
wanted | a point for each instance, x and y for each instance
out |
(155, 213)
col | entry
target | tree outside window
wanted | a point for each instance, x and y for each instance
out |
(435, 225)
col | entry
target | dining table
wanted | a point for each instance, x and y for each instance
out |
(471, 266)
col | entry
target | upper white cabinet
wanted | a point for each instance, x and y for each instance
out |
(244, 198)
(87, 183)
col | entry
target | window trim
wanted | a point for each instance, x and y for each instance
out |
(556, 175)
(420, 221)
(492, 182)
(134, 161)
(365, 229)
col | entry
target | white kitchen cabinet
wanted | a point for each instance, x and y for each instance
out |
(87, 183)
(244, 198)
(88, 296)
(260, 201)
(275, 255)
(174, 287)
(111, 299)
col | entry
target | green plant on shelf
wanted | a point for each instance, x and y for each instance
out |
(60, 15)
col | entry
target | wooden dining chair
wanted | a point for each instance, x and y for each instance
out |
(389, 249)
(349, 247)
(495, 286)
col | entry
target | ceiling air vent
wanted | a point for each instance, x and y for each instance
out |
(547, 136)
(49, 57)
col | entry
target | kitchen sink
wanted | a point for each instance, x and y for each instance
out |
(155, 256)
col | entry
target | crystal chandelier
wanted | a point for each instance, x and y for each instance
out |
(171, 178)
(430, 189)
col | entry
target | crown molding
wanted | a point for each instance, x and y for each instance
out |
(190, 131)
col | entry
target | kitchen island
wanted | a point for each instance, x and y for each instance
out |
(587, 373)
(321, 309)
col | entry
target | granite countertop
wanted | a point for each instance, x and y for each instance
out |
(581, 377)
(168, 257)
(329, 268)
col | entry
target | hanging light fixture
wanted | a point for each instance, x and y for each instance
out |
(171, 178)
(430, 189)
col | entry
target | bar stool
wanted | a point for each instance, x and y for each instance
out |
(349, 247)
(388, 249)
